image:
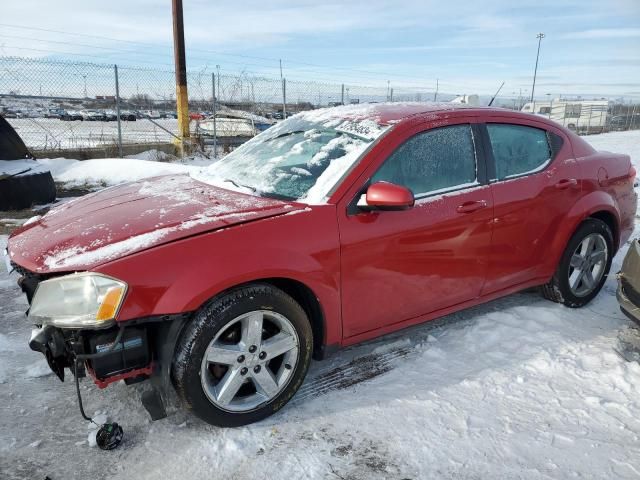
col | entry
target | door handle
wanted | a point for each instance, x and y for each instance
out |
(470, 207)
(566, 183)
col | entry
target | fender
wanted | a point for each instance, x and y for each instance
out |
(181, 276)
(593, 202)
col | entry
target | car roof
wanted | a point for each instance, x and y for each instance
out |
(389, 113)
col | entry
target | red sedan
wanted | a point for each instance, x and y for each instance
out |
(330, 228)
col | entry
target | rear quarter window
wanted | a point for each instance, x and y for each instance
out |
(518, 149)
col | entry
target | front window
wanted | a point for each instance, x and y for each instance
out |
(301, 158)
(432, 161)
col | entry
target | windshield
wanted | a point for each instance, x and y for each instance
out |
(301, 158)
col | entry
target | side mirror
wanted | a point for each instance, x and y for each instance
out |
(386, 196)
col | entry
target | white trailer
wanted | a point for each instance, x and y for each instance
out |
(583, 116)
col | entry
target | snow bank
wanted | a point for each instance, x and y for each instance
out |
(109, 171)
(104, 171)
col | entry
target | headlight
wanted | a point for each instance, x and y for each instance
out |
(81, 300)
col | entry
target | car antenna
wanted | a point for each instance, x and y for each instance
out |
(494, 97)
(109, 435)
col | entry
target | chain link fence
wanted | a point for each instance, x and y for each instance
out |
(85, 109)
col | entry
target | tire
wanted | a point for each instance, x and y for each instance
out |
(569, 285)
(225, 325)
(24, 191)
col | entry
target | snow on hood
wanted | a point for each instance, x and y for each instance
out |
(122, 220)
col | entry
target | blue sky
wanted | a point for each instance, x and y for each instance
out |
(590, 48)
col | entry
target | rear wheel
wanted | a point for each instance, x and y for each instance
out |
(243, 356)
(584, 265)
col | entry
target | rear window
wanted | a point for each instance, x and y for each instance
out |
(518, 150)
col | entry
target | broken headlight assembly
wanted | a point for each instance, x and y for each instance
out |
(80, 300)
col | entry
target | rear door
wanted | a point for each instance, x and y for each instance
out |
(399, 265)
(535, 183)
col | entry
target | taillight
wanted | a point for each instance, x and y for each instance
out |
(632, 176)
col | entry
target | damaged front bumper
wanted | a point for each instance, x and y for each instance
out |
(108, 356)
(133, 351)
(628, 293)
(50, 342)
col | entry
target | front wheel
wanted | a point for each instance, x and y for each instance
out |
(584, 265)
(243, 356)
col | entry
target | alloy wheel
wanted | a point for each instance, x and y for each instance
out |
(588, 264)
(249, 361)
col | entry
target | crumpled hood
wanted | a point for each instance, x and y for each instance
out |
(122, 220)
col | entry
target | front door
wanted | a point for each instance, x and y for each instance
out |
(399, 265)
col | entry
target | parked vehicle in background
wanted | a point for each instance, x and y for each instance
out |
(110, 115)
(71, 115)
(582, 116)
(54, 113)
(153, 114)
(473, 100)
(93, 115)
(235, 126)
(628, 293)
(234, 130)
(330, 228)
(128, 116)
(625, 122)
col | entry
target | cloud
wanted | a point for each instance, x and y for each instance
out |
(604, 33)
(469, 48)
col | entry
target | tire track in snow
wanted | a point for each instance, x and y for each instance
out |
(358, 370)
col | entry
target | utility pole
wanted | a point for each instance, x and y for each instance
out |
(218, 82)
(215, 108)
(540, 36)
(435, 95)
(284, 93)
(182, 98)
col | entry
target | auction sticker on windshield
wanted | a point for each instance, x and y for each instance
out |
(367, 130)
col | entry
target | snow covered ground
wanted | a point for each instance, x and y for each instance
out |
(517, 388)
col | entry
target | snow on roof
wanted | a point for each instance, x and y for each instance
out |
(383, 113)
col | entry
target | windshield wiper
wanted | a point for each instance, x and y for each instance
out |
(278, 196)
(286, 134)
(239, 185)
